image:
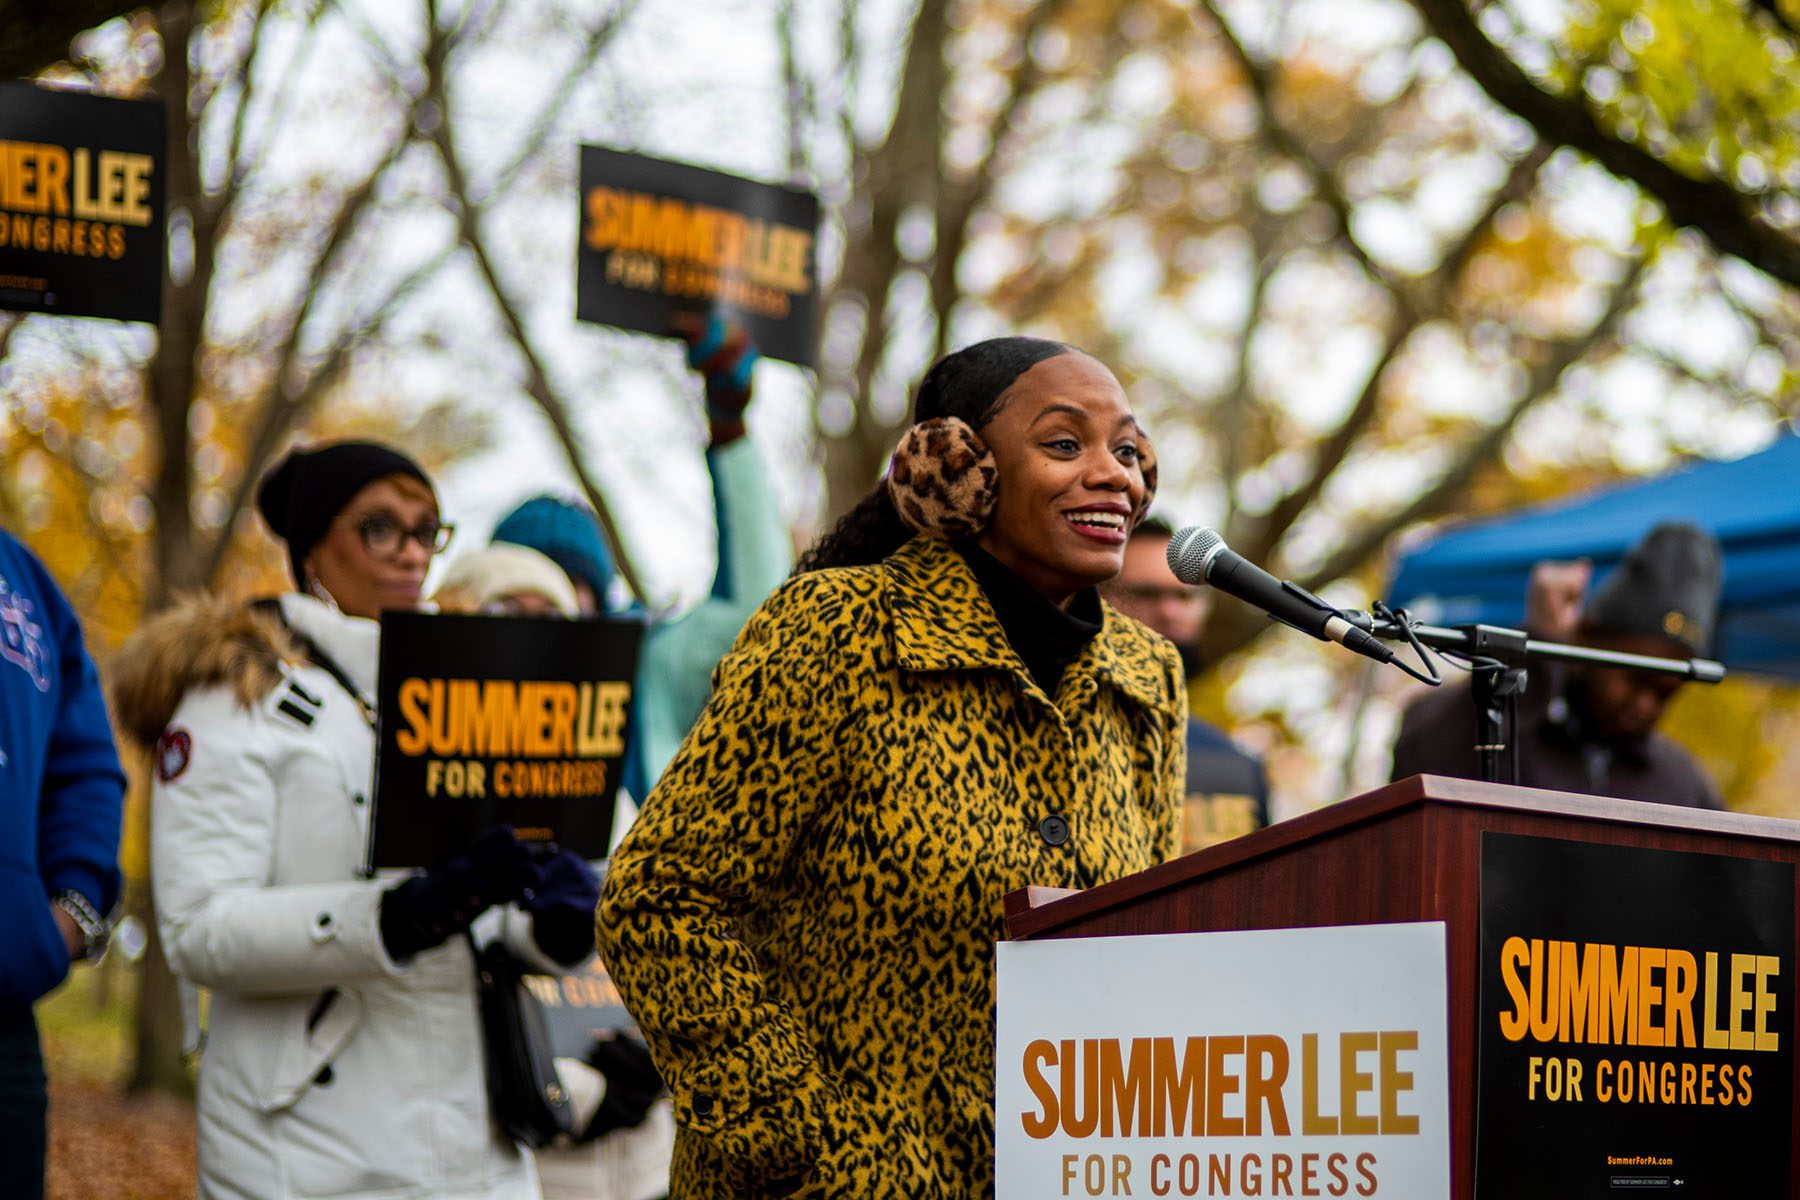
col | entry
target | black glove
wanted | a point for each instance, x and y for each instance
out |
(562, 905)
(428, 909)
(632, 1085)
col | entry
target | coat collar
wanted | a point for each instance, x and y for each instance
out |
(353, 643)
(944, 622)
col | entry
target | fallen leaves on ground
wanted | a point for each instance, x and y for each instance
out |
(103, 1144)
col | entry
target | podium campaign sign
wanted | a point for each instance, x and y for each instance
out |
(81, 203)
(660, 237)
(1289, 1062)
(487, 719)
(1636, 1007)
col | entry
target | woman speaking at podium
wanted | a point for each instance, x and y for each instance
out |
(935, 710)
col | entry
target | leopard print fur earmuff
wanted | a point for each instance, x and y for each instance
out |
(944, 482)
(1147, 463)
(943, 479)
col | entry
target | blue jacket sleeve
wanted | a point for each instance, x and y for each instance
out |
(59, 777)
(84, 787)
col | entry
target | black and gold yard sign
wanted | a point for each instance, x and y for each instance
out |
(81, 203)
(1637, 1022)
(661, 237)
(486, 720)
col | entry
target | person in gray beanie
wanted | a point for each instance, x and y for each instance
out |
(1592, 729)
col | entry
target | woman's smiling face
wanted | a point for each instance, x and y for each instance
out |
(1068, 453)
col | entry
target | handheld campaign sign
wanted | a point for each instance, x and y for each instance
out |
(81, 203)
(1637, 1008)
(1287, 1062)
(581, 1008)
(498, 719)
(658, 237)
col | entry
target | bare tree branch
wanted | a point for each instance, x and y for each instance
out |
(1261, 82)
(797, 94)
(958, 202)
(286, 404)
(245, 70)
(1231, 629)
(281, 411)
(1727, 217)
(896, 175)
(1719, 383)
(294, 71)
(36, 36)
(1405, 322)
(1486, 449)
(286, 398)
(552, 110)
(1233, 409)
(383, 54)
(537, 376)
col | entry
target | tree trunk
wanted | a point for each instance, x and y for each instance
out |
(174, 565)
(159, 1066)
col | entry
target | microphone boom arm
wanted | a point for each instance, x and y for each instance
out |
(1499, 655)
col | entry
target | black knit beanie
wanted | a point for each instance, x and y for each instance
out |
(308, 489)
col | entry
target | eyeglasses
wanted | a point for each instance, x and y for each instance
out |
(383, 536)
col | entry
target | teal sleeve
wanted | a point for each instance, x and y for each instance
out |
(676, 662)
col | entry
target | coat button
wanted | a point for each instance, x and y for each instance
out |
(702, 1104)
(1054, 829)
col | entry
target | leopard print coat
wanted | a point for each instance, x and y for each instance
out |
(803, 918)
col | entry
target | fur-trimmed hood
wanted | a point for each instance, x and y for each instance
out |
(201, 641)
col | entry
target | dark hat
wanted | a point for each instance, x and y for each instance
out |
(1668, 585)
(306, 491)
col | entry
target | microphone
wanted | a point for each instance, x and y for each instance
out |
(1199, 555)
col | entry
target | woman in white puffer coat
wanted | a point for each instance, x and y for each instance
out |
(343, 1055)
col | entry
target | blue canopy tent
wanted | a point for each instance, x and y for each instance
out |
(1478, 572)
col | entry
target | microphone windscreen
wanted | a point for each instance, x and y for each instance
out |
(1190, 550)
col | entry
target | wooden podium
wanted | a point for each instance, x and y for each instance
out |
(1408, 852)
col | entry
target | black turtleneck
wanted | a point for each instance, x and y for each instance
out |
(1046, 637)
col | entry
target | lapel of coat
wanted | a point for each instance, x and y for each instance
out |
(943, 622)
(1125, 656)
(942, 618)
